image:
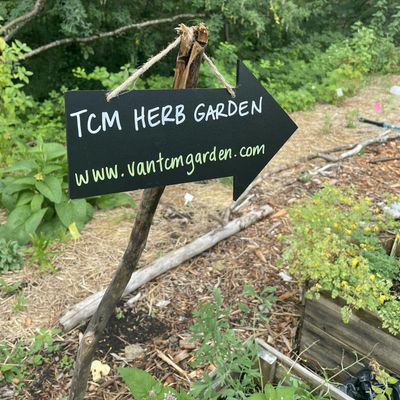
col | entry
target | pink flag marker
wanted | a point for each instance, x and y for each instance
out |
(378, 107)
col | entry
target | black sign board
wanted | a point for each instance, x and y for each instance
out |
(146, 138)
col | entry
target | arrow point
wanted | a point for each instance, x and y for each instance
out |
(242, 181)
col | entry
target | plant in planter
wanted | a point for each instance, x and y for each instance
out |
(336, 245)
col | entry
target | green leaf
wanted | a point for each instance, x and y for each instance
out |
(50, 188)
(72, 211)
(377, 389)
(53, 150)
(258, 396)
(270, 392)
(139, 382)
(34, 221)
(65, 212)
(115, 200)
(50, 168)
(19, 184)
(22, 165)
(18, 216)
(24, 198)
(8, 200)
(285, 392)
(37, 201)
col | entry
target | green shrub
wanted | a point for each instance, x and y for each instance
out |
(34, 191)
(334, 246)
(11, 256)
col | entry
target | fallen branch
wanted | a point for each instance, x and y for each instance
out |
(85, 39)
(384, 159)
(11, 28)
(352, 150)
(87, 307)
(356, 149)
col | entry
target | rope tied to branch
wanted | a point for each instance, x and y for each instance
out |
(219, 76)
(149, 63)
(140, 71)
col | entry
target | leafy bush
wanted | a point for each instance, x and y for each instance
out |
(34, 192)
(334, 246)
(11, 256)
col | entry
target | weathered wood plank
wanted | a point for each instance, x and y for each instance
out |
(361, 336)
(320, 350)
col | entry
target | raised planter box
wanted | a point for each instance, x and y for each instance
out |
(275, 366)
(326, 341)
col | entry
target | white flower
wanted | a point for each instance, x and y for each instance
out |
(169, 396)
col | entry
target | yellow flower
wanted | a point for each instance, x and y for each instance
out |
(382, 298)
(376, 228)
(353, 227)
(344, 283)
(39, 177)
(367, 229)
(354, 262)
(336, 226)
(372, 277)
(349, 231)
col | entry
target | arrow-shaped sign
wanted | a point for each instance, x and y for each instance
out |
(146, 138)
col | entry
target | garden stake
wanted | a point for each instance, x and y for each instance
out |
(193, 41)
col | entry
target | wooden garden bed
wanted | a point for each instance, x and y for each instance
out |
(326, 341)
(276, 367)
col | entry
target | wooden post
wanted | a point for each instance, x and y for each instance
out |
(193, 41)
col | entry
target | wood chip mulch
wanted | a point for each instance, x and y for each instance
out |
(160, 320)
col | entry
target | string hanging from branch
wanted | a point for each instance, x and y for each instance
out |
(140, 71)
(219, 76)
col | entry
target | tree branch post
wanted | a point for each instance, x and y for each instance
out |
(193, 41)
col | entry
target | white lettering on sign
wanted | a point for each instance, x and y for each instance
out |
(221, 110)
(150, 118)
(158, 115)
(106, 121)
